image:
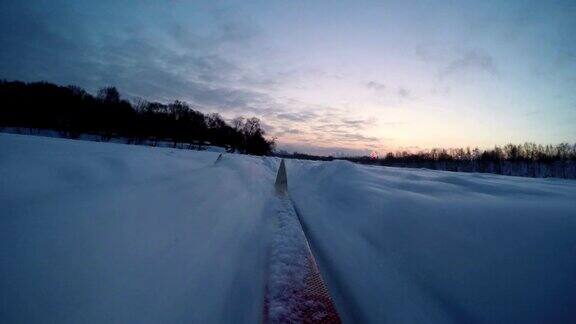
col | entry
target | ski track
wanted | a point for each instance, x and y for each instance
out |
(288, 264)
(98, 232)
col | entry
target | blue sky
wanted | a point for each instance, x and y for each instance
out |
(324, 76)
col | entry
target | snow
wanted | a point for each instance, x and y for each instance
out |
(101, 232)
(288, 264)
(120, 140)
(411, 246)
(291, 294)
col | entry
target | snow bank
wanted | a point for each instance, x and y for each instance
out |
(99, 232)
(412, 246)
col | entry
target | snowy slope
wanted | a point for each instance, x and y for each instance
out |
(415, 246)
(94, 232)
(101, 232)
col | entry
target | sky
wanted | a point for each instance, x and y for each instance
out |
(325, 77)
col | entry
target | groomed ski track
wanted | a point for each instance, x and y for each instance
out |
(296, 292)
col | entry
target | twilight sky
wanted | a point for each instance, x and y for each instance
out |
(324, 76)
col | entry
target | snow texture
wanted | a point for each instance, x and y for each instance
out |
(419, 246)
(288, 264)
(101, 232)
(113, 233)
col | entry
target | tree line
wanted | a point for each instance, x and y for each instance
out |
(302, 156)
(528, 160)
(72, 111)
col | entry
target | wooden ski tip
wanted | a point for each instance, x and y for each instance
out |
(281, 179)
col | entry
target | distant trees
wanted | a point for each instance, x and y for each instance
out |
(73, 111)
(528, 160)
(252, 134)
(302, 156)
(109, 95)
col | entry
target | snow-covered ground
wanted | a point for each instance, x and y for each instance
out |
(421, 246)
(101, 232)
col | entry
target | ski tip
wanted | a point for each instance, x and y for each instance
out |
(281, 183)
(218, 159)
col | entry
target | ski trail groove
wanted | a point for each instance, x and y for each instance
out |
(295, 291)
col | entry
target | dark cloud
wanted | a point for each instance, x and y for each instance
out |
(36, 48)
(158, 75)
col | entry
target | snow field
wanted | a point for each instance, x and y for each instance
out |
(94, 232)
(100, 232)
(410, 246)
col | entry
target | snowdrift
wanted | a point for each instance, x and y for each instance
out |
(94, 232)
(422, 246)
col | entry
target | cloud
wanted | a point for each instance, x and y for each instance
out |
(203, 67)
(373, 85)
(471, 60)
(392, 123)
(455, 61)
(404, 93)
(232, 27)
(354, 123)
(287, 131)
(332, 124)
(302, 116)
(224, 27)
(140, 66)
(326, 128)
(381, 89)
(354, 137)
(156, 76)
